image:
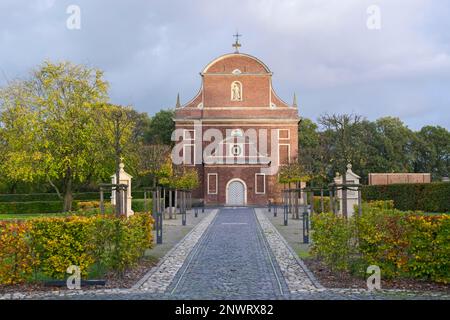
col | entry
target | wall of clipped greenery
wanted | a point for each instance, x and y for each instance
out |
(57, 206)
(430, 197)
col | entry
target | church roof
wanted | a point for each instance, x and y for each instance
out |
(234, 60)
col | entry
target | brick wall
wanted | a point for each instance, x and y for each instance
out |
(392, 178)
(255, 111)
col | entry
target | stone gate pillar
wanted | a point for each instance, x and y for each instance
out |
(124, 178)
(352, 195)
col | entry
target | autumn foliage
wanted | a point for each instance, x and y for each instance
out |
(403, 244)
(48, 246)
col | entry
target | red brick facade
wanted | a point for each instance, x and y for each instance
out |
(253, 105)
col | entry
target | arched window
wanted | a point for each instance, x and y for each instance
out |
(236, 91)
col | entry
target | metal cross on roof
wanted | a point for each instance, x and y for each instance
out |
(237, 45)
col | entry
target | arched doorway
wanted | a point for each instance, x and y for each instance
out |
(236, 193)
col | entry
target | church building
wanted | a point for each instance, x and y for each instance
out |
(258, 132)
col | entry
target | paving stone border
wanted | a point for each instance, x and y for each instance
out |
(297, 275)
(159, 278)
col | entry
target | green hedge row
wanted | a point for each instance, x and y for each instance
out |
(84, 196)
(429, 197)
(137, 205)
(54, 206)
(31, 207)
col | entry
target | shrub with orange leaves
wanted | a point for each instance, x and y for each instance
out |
(401, 243)
(50, 245)
(16, 259)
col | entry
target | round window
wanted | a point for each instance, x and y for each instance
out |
(236, 150)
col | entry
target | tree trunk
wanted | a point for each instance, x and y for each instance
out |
(118, 198)
(344, 194)
(13, 187)
(68, 196)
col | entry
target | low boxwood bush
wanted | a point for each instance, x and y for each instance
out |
(48, 246)
(401, 243)
(430, 197)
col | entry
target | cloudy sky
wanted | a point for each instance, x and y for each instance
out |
(322, 50)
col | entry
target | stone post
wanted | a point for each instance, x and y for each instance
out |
(352, 192)
(124, 178)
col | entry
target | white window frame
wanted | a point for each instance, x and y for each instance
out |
(289, 152)
(230, 148)
(192, 138)
(256, 183)
(184, 153)
(217, 183)
(289, 134)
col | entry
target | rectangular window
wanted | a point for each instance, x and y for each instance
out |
(284, 134)
(189, 154)
(188, 135)
(235, 149)
(260, 183)
(212, 183)
(283, 153)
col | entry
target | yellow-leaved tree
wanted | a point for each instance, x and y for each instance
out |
(48, 129)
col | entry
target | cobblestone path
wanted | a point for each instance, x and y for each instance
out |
(232, 260)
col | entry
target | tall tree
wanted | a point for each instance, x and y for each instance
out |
(160, 128)
(122, 129)
(433, 151)
(312, 152)
(151, 159)
(342, 132)
(395, 144)
(49, 128)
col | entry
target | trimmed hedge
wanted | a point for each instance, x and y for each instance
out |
(403, 244)
(318, 203)
(137, 205)
(48, 246)
(44, 197)
(429, 197)
(32, 207)
(57, 206)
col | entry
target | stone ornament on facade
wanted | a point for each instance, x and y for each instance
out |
(236, 91)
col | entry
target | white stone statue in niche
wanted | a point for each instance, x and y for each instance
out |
(236, 91)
